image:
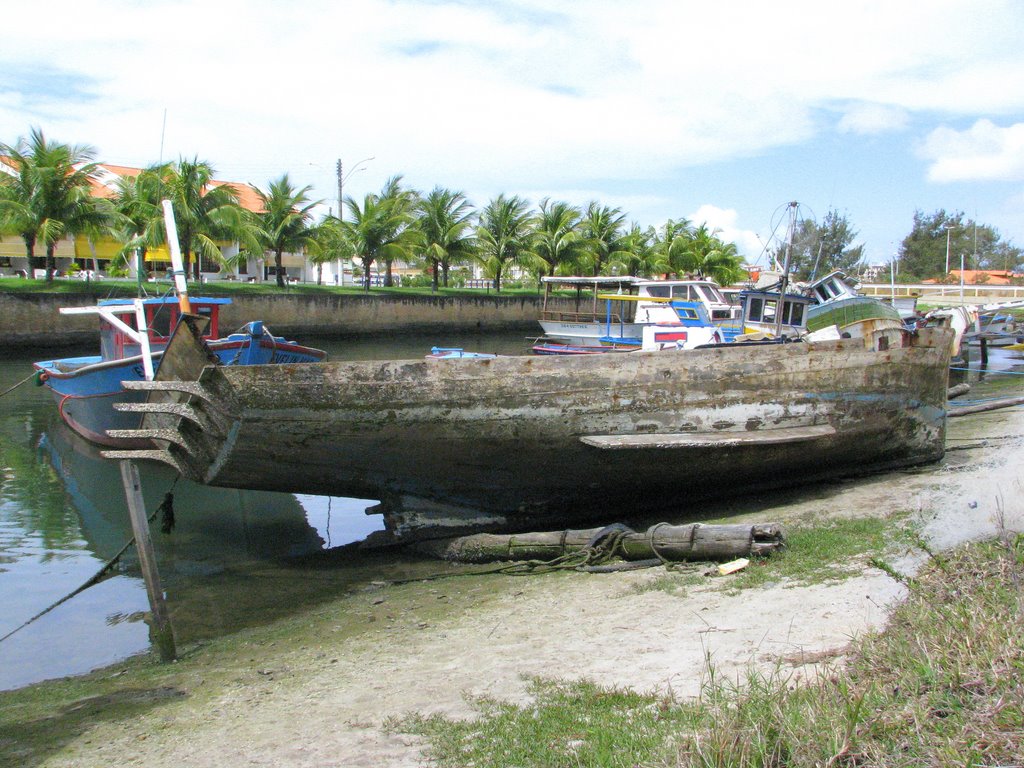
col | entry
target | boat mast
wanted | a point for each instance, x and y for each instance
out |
(785, 270)
(178, 268)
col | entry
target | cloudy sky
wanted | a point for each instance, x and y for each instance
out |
(721, 112)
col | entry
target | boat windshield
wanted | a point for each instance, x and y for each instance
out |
(711, 294)
(661, 291)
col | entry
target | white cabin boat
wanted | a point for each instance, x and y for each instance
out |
(644, 303)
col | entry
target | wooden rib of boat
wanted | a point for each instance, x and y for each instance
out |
(531, 437)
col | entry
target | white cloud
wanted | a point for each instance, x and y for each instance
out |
(597, 94)
(724, 221)
(872, 119)
(985, 151)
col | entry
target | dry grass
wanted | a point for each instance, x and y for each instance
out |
(942, 685)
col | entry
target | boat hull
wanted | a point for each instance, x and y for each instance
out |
(567, 436)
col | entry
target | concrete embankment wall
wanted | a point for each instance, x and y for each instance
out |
(34, 319)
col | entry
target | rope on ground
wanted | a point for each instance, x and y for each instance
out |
(604, 547)
(97, 577)
(26, 380)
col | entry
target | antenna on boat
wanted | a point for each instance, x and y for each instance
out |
(178, 268)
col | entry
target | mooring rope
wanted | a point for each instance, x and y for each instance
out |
(164, 507)
(26, 380)
(606, 546)
(988, 372)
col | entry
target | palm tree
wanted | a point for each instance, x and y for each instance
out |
(50, 195)
(205, 212)
(705, 255)
(556, 239)
(673, 237)
(378, 230)
(284, 222)
(503, 234)
(445, 224)
(138, 203)
(602, 229)
(637, 254)
(402, 204)
(329, 242)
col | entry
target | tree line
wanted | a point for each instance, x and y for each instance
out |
(49, 196)
(932, 249)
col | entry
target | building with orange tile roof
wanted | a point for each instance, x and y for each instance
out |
(82, 249)
(981, 277)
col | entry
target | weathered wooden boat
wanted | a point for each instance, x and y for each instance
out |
(531, 438)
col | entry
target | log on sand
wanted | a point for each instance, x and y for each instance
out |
(693, 541)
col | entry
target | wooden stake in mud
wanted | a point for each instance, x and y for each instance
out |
(162, 633)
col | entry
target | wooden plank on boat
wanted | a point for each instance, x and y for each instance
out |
(170, 435)
(184, 410)
(710, 439)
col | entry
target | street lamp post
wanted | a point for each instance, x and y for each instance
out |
(341, 201)
(342, 177)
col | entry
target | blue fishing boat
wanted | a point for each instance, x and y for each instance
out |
(456, 353)
(133, 336)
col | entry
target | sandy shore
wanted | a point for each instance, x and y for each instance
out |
(305, 699)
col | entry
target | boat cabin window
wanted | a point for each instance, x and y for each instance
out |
(660, 291)
(764, 310)
(114, 344)
(686, 313)
(760, 310)
(828, 290)
(161, 319)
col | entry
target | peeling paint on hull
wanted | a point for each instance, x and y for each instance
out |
(528, 437)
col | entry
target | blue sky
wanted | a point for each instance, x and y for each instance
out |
(721, 112)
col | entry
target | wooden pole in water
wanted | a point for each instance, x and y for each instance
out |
(161, 631)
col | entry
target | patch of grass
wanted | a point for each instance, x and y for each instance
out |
(815, 552)
(127, 287)
(829, 550)
(943, 684)
(568, 724)
(673, 582)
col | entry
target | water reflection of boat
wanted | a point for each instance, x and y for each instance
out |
(213, 525)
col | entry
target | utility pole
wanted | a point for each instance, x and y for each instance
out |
(341, 182)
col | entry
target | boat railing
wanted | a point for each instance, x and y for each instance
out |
(110, 314)
(580, 317)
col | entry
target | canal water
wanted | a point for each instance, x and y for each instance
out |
(233, 558)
